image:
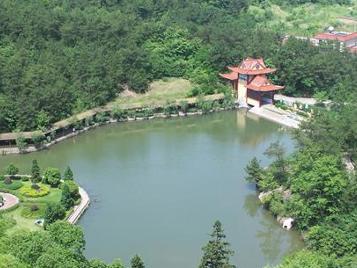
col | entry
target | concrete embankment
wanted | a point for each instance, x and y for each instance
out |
(279, 116)
(80, 208)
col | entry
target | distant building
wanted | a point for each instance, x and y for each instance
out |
(250, 82)
(345, 41)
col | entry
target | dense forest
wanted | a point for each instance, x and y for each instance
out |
(62, 57)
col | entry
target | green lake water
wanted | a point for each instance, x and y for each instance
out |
(158, 186)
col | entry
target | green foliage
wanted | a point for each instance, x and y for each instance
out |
(254, 171)
(318, 184)
(73, 188)
(38, 139)
(9, 261)
(66, 199)
(268, 182)
(21, 143)
(33, 211)
(136, 262)
(52, 176)
(53, 213)
(30, 191)
(217, 251)
(12, 170)
(14, 185)
(279, 167)
(68, 174)
(68, 236)
(304, 258)
(35, 172)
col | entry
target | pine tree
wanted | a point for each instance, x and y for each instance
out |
(217, 251)
(35, 172)
(68, 174)
(254, 171)
(136, 262)
(66, 199)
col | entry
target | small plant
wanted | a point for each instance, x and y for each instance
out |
(35, 187)
(52, 176)
(38, 139)
(21, 143)
(11, 170)
(34, 208)
(8, 180)
(68, 174)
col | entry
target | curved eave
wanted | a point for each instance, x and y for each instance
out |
(251, 72)
(266, 88)
(230, 76)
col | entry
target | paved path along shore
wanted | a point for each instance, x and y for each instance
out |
(10, 201)
(81, 208)
(272, 113)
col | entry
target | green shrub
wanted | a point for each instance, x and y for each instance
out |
(53, 213)
(33, 211)
(38, 139)
(118, 113)
(14, 185)
(29, 191)
(52, 176)
(73, 188)
(12, 170)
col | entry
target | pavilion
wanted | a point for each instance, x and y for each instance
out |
(250, 82)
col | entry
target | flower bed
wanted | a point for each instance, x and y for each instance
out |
(29, 191)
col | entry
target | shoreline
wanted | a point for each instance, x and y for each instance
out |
(274, 115)
(79, 209)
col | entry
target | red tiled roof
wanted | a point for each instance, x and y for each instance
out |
(337, 37)
(230, 76)
(262, 83)
(252, 66)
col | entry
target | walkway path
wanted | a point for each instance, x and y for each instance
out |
(79, 209)
(282, 117)
(10, 201)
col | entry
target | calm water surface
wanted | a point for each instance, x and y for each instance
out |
(158, 186)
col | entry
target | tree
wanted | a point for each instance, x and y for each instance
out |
(9, 261)
(66, 200)
(276, 151)
(68, 174)
(58, 256)
(217, 251)
(12, 170)
(136, 262)
(68, 236)
(52, 176)
(305, 258)
(254, 171)
(53, 213)
(35, 172)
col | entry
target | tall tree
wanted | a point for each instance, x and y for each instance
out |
(35, 172)
(136, 262)
(68, 174)
(217, 252)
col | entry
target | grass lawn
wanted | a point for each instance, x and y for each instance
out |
(159, 93)
(307, 19)
(24, 217)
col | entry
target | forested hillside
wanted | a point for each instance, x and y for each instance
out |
(61, 57)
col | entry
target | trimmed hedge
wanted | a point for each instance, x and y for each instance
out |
(28, 191)
(12, 186)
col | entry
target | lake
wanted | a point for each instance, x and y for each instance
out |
(158, 186)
